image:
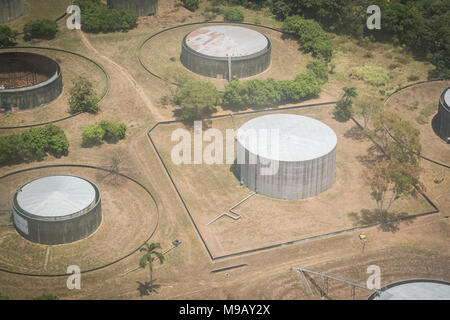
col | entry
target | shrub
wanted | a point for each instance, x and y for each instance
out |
(261, 93)
(82, 97)
(311, 35)
(7, 36)
(104, 130)
(377, 76)
(191, 5)
(197, 100)
(33, 144)
(319, 68)
(40, 29)
(344, 106)
(97, 17)
(233, 14)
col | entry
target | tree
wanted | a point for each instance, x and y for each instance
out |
(92, 135)
(82, 97)
(197, 100)
(7, 36)
(344, 110)
(191, 5)
(104, 130)
(147, 259)
(233, 14)
(368, 107)
(40, 29)
(319, 69)
(391, 180)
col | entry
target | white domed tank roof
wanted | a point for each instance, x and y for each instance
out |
(56, 196)
(299, 138)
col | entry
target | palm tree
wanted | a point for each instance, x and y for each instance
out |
(147, 258)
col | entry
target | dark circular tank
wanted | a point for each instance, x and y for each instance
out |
(28, 80)
(214, 51)
(443, 116)
(57, 209)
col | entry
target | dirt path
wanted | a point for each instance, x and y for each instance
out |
(157, 115)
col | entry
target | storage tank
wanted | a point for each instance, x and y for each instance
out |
(57, 209)
(416, 289)
(140, 7)
(10, 10)
(443, 116)
(292, 156)
(28, 80)
(214, 51)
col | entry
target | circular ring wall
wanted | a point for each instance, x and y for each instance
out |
(213, 51)
(11, 10)
(286, 156)
(57, 209)
(28, 80)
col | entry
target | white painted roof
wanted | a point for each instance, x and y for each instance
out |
(447, 97)
(221, 41)
(417, 291)
(56, 196)
(297, 138)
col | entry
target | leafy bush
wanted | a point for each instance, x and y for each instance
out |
(33, 144)
(311, 36)
(319, 68)
(97, 17)
(344, 106)
(82, 97)
(377, 76)
(261, 93)
(191, 5)
(40, 29)
(197, 100)
(104, 130)
(7, 36)
(233, 14)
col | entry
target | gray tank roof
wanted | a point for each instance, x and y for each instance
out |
(56, 196)
(221, 41)
(299, 138)
(421, 290)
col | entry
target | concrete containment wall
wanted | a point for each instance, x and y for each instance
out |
(35, 95)
(11, 9)
(140, 7)
(58, 230)
(215, 67)
(443, 116)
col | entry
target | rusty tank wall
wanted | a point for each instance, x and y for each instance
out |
(140, 7)
(443, 118)
(36, 95)
(11, 10)
(217, 67)
(293, 180)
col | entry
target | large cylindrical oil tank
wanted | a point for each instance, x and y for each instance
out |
(286, 156)
(57, 209)
(443, 116)
(214, 51)
(10, 10)
(140, 7)
(28, 80)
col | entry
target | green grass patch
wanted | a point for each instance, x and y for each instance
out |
(425, 113)
(377, 76)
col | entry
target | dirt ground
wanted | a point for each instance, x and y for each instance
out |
(416, 250)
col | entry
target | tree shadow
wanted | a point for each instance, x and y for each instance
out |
(146, 288)
(388, 221)
(355, 133)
